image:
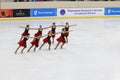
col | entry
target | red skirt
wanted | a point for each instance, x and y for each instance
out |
(67, 34)
(22, 43)
(35, 43)
(53, 35)
(46, 40)
(61, 39)
(37, 34)
(25, 34)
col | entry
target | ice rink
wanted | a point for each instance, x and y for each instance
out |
(92, 53)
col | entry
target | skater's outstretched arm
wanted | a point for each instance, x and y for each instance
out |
(73, 25)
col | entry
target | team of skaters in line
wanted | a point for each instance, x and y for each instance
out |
(51, 34)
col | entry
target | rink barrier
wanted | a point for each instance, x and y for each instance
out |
(51, 18)
(59, 13)
(56, 4)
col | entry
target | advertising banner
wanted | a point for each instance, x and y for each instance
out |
(21, 12)
(112, 11)
(80, 12)
(43, 12)
(6, 13)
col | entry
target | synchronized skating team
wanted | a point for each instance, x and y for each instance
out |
(51, 34)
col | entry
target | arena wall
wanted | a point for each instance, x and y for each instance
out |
(60, 4)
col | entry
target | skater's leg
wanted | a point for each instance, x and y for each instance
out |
(17, 49)
(52, 40)
(35, 48)
(57, 45)
(22, 49)
(41, 45)
(29, 48)
(62, 45)
(49, 46)
(66, 39)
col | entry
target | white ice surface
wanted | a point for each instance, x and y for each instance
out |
(93, 52)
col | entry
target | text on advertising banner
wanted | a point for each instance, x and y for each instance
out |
(112, 11)
(43, 12)
(80, 12)
(21, 12)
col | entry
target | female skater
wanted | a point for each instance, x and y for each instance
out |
(61, 39)
(67, 26)
(67, 33)
(35, 43)
(26, 31)
(22, 43)
(47, 40)
(53, 29)
(39, 33)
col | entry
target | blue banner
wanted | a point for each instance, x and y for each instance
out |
(43, 12)
(112, 11)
